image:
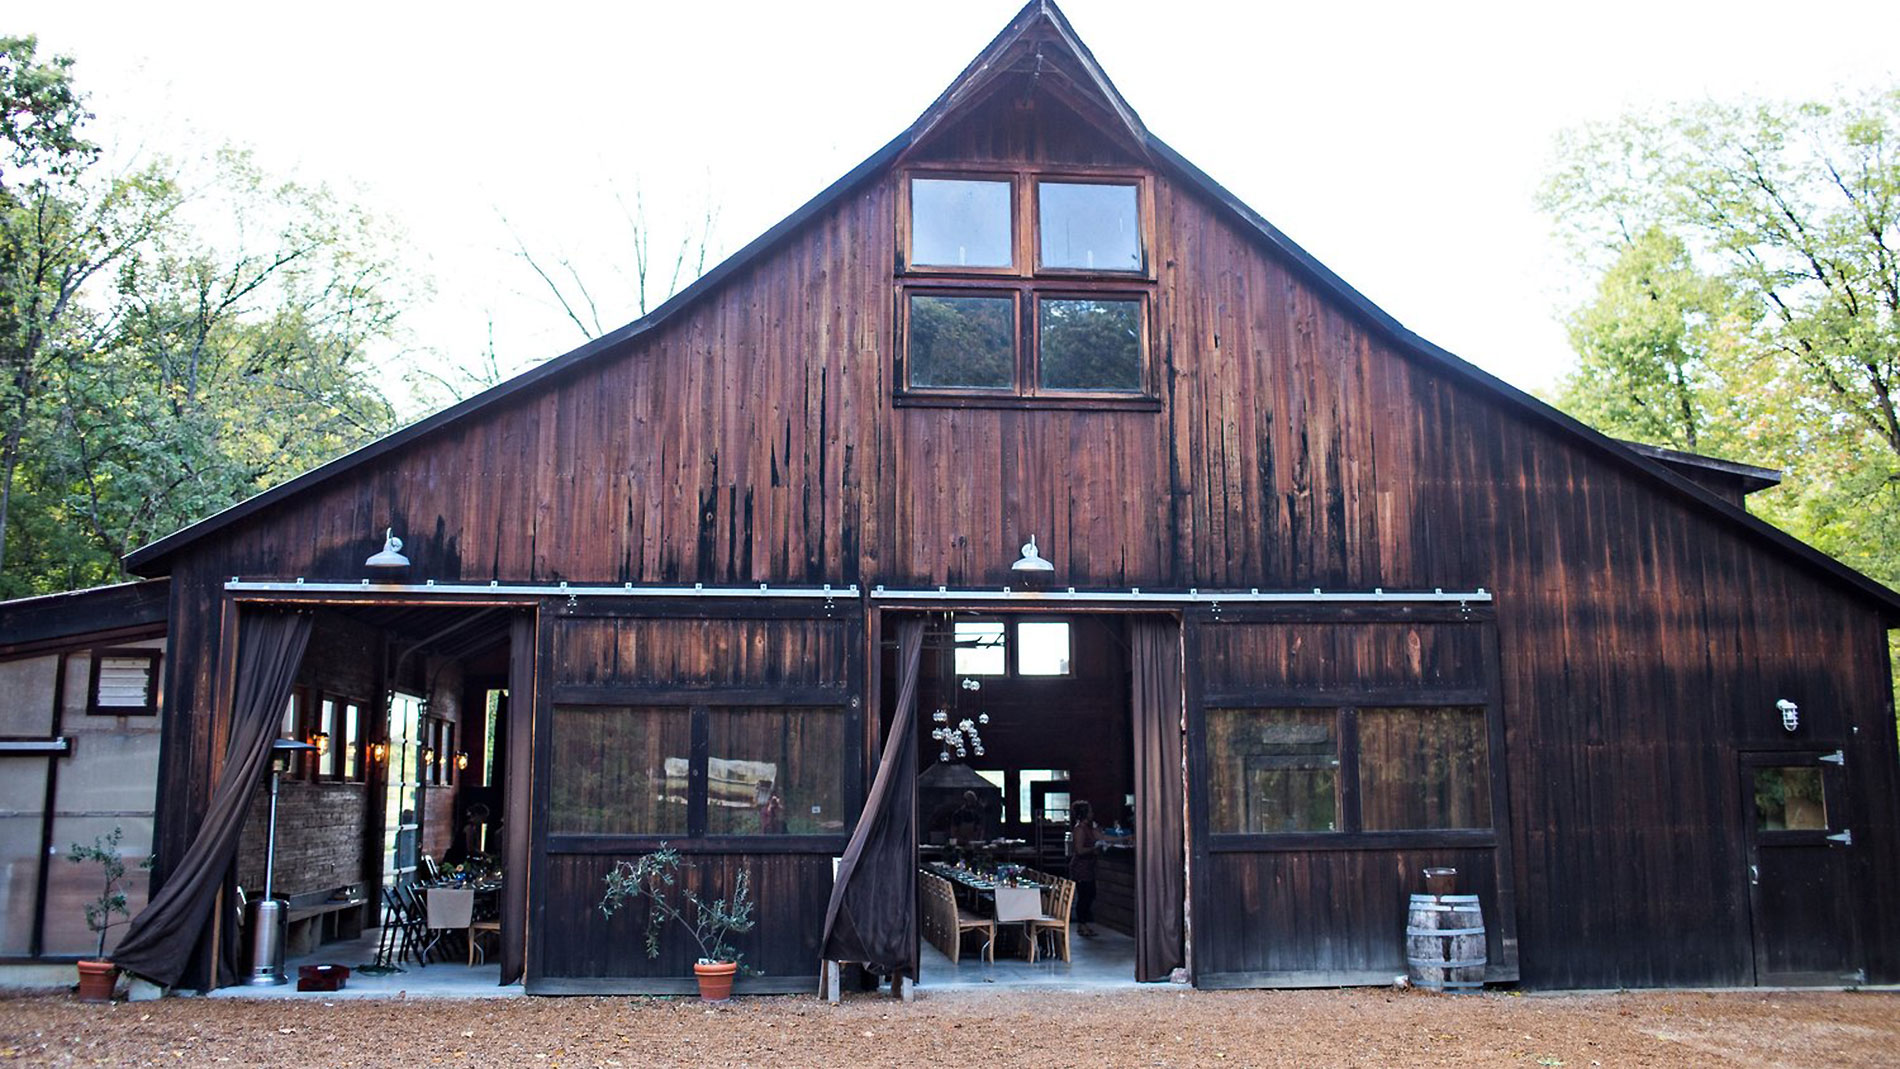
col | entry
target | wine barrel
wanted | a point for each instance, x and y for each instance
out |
(1444, 943)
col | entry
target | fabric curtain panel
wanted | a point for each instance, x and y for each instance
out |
(872, 918)
(522, 637)
(1160, 822)
(167, 934)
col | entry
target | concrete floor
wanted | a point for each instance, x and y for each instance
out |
(438, 979)
(1108, 960)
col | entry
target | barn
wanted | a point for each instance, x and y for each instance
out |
(1027, 420)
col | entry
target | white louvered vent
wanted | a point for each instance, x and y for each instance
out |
(124, 683)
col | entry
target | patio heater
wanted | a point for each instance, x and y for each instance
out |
(268, 918)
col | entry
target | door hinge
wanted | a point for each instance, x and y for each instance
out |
(1845, 838)
(1838, 757)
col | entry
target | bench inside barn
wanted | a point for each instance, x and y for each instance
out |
(319, 917)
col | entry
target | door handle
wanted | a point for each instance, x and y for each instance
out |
(1754, 875)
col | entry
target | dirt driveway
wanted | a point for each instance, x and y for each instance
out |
(977, 1028)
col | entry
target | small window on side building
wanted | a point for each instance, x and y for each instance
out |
(124, 683)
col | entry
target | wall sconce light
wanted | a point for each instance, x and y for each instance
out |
(461, 760)
(378, 751)
(1790, 714)
(390, 557)
(1031, 568)
(321, 740)
(428, 755)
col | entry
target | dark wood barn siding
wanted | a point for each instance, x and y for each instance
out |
(804, 656)
(752, 439)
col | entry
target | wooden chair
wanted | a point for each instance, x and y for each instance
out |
(1056, 901)
(955, 922)
(475, 931)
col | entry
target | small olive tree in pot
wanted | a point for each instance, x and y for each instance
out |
(98, 977)
(711, 922)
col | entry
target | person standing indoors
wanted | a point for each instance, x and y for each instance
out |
(1085, 845)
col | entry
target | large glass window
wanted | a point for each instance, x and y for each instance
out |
(1273, 770)
(1042, 648)
(1407, 768)
(963, 342)
(773, 771)
(960, 222)
(1089, 226)
(979, 300)
(620, 771)
(1090, 344)
(981, 648)
(1423, 767)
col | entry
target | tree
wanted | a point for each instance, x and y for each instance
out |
(154, 375)
(1752, 291)
(1750, 300)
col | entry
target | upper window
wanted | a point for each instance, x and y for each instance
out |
(1025, 286)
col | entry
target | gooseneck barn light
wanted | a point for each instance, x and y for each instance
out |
(390, 557)
(1031, 565)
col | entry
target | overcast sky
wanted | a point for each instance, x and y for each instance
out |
(1402, 144)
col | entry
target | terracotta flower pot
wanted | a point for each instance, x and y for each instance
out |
(97, 980)
(715, 979)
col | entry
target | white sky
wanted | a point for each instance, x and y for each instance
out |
(1400, 143)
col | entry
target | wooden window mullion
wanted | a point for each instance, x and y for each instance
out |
(698, 771)
(1349, 815)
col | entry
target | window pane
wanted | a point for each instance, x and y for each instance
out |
(1091, 345)
(1025, 797)
(1273, 770)
(775, 772)
(26, 696)
(1423, 768)
(326, 724)
(962, 341)
(1042, 649)
(1089, 226)
(980, 649)
(69, 887)
(620, 771)
(960, 223)
(22, 800)
(352, 742)
(1790, 799)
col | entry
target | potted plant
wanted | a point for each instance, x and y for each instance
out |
(98, 977)
(655, 877)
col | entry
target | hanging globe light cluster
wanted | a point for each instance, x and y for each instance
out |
(963, 738)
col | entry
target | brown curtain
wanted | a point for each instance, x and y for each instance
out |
(170, 933)
(1160, 874)
(872, 917)
(514, 887)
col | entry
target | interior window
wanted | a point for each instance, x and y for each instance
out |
(965, 342)
(1090, 344)
(960, 222)
(1089, 226)
(1042, 648)
(981, 650)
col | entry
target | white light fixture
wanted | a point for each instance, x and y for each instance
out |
(390, 557)
(1790, 713)
(1031, 567)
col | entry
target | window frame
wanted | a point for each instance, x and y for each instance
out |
(1351, 833)
(696, 837)
(152, 658)
(1029, 282)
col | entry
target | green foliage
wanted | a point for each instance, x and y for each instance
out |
(1749, 304)
(111, 902)
(163, 354)
(711, 922)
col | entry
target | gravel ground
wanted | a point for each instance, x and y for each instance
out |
(981, 1028)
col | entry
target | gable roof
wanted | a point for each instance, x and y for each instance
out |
(1039, 42)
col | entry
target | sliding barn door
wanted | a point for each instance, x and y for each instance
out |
(1333, 756)
(731, 732)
